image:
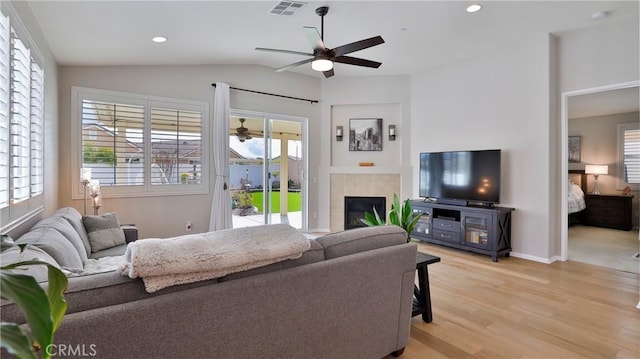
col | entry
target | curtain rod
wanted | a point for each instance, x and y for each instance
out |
(271, 94)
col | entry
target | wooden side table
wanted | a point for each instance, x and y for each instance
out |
(421, 292)
(609, 210)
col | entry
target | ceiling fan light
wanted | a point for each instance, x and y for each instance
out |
(322, 65)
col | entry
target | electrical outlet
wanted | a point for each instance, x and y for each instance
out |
(188, 227)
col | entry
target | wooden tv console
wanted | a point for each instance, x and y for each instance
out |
(485, 230)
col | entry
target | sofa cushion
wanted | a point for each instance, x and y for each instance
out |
(39, 272)
(55, 244)
(75, 219)
(361, 239)
(109, 252)
(64, 227)
(104, 231)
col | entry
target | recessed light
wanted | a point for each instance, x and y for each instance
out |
(474, 8)
(159, 39)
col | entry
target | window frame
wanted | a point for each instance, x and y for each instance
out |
(16, 213)
(620, 183)
(147, 189)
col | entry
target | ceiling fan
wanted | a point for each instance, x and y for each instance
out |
(322, 58)
(242, 132)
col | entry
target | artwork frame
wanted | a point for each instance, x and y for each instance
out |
(574, 149)
(365, 134)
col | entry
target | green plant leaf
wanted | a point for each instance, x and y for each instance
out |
(15, 342)
(372, 219)
(27, 294)
(55, 294)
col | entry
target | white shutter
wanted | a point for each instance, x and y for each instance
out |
(20, 118)
(631, 152)
(37, 129)
(5, 51)
(112, 142)
(176, 146)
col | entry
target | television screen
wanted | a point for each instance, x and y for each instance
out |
(461, 175)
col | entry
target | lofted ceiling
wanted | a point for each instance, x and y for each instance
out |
(418, 34)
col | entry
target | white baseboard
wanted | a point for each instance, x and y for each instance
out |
(534, 258)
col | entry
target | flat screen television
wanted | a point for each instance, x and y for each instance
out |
(458, 177)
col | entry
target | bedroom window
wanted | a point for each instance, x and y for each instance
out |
(629, 155)
(21, 123)
(138, 145)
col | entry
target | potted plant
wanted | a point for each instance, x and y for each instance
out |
(43, 310)
(401, 216)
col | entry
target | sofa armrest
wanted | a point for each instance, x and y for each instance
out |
(130, 232)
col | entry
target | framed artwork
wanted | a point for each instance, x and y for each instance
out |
(365, 134)
(574, 149)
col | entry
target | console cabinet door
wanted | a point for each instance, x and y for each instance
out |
(477, 230)
(423, 227)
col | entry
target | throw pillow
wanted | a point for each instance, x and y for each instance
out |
(104, 231)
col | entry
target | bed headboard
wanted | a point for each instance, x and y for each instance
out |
(583, 179)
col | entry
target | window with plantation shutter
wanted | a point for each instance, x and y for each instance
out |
(22, 91)
(37, 129)
(139, 145)
(112, 142)
(20, 118)
(176, 146)
(5, 74)
(629, 155)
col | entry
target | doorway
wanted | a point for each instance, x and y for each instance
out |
(267, 167)
(570, 99)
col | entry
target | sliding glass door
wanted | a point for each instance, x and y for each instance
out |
(268, 161)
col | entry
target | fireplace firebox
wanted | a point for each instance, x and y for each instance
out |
(355, 207)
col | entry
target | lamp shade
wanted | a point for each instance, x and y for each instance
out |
(596, 169)
(85, 174)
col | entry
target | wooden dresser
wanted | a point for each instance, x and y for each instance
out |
(608, 210)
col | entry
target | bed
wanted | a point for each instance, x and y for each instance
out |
(575, 200)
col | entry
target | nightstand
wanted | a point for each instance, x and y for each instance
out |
(608, 210)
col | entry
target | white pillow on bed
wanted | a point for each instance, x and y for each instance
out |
(575, 189)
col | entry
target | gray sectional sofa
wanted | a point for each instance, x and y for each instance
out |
(349, 296)
(62, 240)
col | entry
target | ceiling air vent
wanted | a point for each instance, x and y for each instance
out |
(287, 8)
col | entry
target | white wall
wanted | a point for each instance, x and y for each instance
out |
(497, 100)
(51, 179)
(600, 55)
(166, 216)
(343, 97)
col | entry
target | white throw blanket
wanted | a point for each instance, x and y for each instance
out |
(165, 262)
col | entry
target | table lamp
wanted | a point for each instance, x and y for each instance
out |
(596, 170)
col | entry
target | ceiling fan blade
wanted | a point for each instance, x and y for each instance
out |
(283, 51)
(357, 46)
(328, 74)
(357, 61)
(284, 68)
(314, 39)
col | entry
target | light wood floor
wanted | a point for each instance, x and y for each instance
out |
(523, 309)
